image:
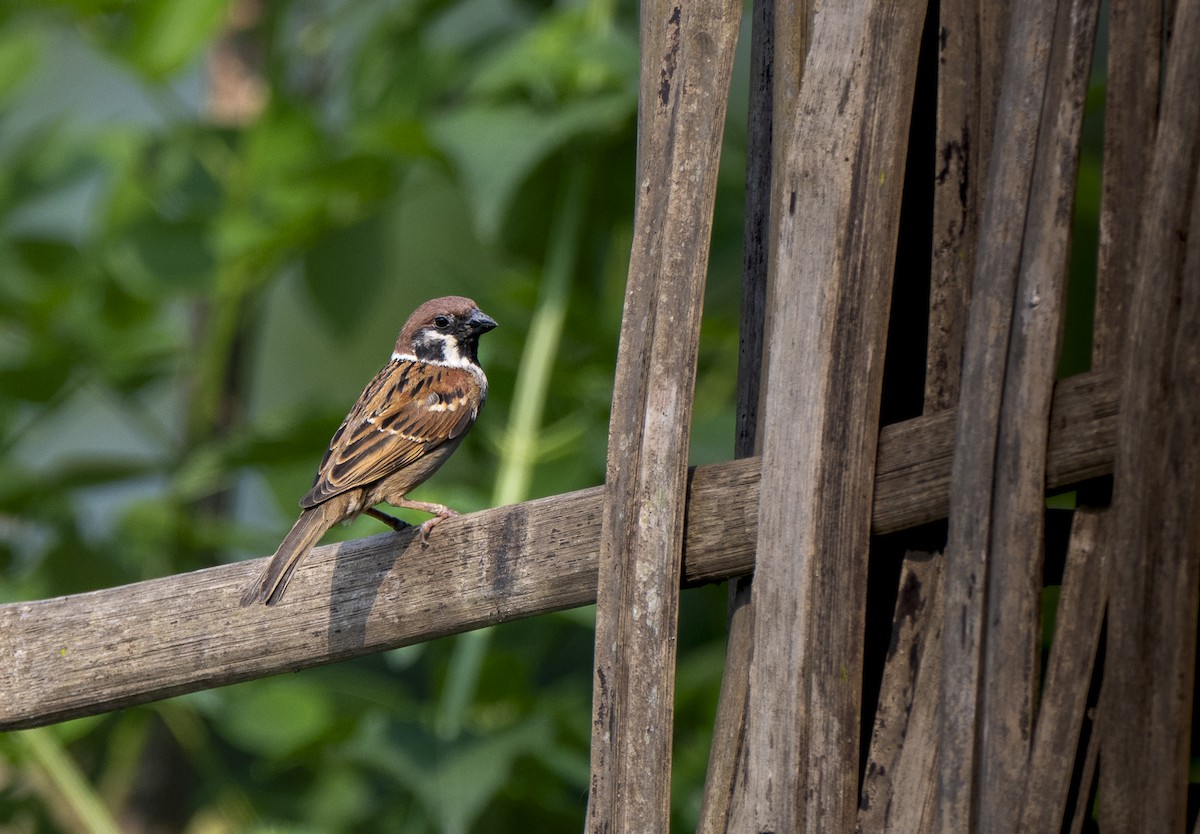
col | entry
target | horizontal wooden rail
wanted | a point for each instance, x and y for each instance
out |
(89, 653)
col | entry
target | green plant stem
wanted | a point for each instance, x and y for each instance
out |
(66, 787)
(519, 450)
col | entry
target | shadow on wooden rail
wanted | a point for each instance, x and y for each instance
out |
(89, 653)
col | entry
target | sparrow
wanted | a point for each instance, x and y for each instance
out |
(406, 422)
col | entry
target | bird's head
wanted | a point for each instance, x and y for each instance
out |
(444, 331)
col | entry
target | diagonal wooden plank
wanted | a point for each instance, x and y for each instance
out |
(724, 780)
(103, 650)
(900, 779)
(1068, 675)
(970, 59)
(1135, 38)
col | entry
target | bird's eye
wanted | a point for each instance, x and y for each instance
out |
(441, 322)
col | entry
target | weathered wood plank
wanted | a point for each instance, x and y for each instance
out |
(970, 59)
(979, 435)
(1011, 662)
(1155, 566)
(756, 231)
(1068, 675)
(724, 780)
(901, 774)
(912, 475)
(1134, 64)
(837, 179)
(724, 783)
(1135, 30)
(103, 650)
(1082, 811)
(687, 60)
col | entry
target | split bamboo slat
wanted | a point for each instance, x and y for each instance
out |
(1155, 559)
(725, 780)
(687, 63)
(839, 153)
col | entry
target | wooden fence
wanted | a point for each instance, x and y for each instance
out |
(965, 730)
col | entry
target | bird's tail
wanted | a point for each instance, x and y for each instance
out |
(305, 533)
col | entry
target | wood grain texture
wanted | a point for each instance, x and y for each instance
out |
(724, 782)
(724, 779)
(687, 60)
(970, 57)
(1135, 31)
(912, 474)
(837, 178)
(756, 231)
(901, 774)
(1155, 570)
(976, 481)
(1012, 636)
(103, 650)
(1082, 812)
(1068, 675)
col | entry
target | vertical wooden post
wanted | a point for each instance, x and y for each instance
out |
(970, 59)
(837, 179)
(724, 782)
(975, 472)
(899, 783)
(1149, 668)
(1068, 677)
(687, 58)
(1012, 635)
(1131, 110)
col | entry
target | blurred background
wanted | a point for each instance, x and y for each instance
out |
(215, 215)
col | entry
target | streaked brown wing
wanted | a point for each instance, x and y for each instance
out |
(409, 409)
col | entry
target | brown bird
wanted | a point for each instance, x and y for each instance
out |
(407, 421)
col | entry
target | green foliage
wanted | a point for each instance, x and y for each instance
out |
(188, 308)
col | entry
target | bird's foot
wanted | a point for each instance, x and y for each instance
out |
(427, 525)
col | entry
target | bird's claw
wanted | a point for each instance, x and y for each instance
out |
(430, 523)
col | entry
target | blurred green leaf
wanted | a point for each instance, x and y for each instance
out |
(344, 268)
(20, 51)
(276, 718)
(567, 55)
(497, 148)
(38, 378)
(165, 256)
(169, 34)
(454, 780)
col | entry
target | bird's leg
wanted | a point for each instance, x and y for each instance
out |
(391, 521)
(440, 513)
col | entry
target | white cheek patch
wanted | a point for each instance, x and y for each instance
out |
(447, 346)
(451, 358)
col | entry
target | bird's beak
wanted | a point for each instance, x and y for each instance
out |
(482, 322)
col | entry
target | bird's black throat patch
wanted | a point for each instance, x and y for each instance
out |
(430, 347)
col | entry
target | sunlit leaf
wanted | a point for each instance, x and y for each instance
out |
(169, 33)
